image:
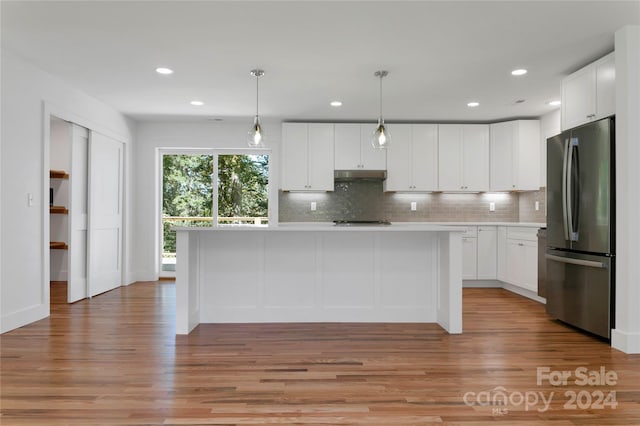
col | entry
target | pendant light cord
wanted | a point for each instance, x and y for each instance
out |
(257, 92)
(380, 116)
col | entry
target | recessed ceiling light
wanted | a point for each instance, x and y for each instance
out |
(473, 104)
(554, 103)
(520, 71)
(197, 103)
(164, 71)
(335, 103)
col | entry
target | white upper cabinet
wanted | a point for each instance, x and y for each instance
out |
(353, 149)
(463, 157)
(412, 158)
(307, 157)
(589, 93)
(515, 156)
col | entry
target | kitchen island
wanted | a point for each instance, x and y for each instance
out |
(319, 273)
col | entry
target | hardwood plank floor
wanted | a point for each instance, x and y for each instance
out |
(115, 360)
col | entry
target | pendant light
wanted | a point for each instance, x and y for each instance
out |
(381, 137)
(255, 137)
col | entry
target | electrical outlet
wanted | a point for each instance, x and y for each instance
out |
(492, 207)
(313, 206)
(414, 206)
(537, 206)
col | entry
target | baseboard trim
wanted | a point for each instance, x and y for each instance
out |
(524, 292)
(24, 317)
(166, 278)
(481, 284)
(627, 342)
(506, 286)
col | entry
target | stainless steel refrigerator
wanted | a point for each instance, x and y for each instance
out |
(580, 257)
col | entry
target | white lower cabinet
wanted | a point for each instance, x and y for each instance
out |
(522, 258)
(469, 258)
(479, 253)
(506, 253)
(502, 254)
(487, 252)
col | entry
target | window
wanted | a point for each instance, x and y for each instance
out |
(241, 195)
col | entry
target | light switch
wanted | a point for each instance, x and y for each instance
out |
(492, 207)
(537, 205)
(29, 199)
(414, 206)
(313, 206)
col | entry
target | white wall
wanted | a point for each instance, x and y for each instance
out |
(27, 92)
(549, 126)
(151, 137)
(626, 334)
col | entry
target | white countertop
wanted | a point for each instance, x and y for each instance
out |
(329, 226)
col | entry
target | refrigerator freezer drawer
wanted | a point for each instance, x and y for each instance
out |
(579, 290)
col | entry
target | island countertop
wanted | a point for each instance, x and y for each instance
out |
(327, 226)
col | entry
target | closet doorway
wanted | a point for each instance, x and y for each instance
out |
(85, 172)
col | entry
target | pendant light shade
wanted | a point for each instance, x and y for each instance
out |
(381, 137)
(255, 137)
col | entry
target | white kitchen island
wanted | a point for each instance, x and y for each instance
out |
(319, 273)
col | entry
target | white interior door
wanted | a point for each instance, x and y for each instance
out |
(105, 213)
(78, 209)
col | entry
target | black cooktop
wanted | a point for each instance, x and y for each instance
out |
(360, 222)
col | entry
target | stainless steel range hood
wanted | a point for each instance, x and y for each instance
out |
(351, 175)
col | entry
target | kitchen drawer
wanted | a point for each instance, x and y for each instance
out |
(469, 231)
(522, 233)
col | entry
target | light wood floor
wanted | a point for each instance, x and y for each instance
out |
(115, 360)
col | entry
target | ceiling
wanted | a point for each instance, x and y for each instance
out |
(440, 55)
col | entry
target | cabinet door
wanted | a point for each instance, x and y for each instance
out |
(522, 267)
(450, 157)
(578, 98)
(487, 252)
(295, 150)
(502, 260)
(399, 159)
(424, 157)
(502, 155)
(526, 155)
(530, 265)
(515, 262)
(515, 156)
(469, 258)
(475, 167)
(606, 87)
(371, 158)
(347, 146)
(320, 157)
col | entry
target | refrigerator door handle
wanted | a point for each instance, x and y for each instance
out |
(565, 175)
(572, 193)
(580, 262)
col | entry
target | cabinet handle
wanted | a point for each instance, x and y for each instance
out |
(520, 244)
